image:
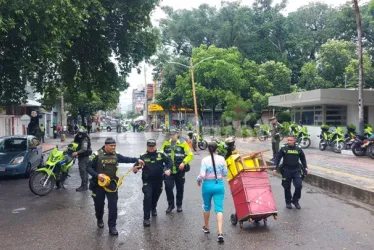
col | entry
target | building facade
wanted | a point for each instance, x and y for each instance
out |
(335, 107)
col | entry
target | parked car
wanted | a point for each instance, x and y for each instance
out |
(20, 155)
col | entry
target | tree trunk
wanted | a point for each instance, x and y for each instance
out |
(360, 70)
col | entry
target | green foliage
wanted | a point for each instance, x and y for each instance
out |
(245, 132)
(286, 127)
(66, 46)
(284, 116)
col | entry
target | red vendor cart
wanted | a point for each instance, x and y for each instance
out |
(251, 190)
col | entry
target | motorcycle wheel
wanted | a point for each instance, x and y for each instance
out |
(108, 129)
(370, 151)
(338, 146)
(203, 145)
(304, 143)
(322, 145)
(262, 137)
(36, 182)
(357, 151)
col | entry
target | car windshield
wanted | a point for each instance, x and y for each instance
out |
(13, 145)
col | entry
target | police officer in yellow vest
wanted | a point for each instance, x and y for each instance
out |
(42, 133)
(181, 155)
(156, 165)
(291, 170)
(103, 166)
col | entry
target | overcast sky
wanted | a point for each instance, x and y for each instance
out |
(138, 80)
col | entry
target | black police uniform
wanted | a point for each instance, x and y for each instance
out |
(104, 163)
(84, 151)
(291, 170)
(156, 163)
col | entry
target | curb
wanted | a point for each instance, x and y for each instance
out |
(337, 187)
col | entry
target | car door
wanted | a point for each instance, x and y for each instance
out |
(39, 152)
(31, 151)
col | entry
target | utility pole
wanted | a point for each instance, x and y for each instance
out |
(360, 70)
(191, 67)
(146, 95)
(62, 110)
(195, 105)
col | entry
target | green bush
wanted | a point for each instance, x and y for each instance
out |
(223, 131)
(368, 126)
(245, 132)
(286, 128)
(284, 116)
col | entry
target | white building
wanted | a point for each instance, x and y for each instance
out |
(326, 106)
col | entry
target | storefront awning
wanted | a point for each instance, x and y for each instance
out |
(154, 108)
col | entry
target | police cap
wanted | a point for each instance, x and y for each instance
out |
(151, 142)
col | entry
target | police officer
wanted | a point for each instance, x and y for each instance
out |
(181, 155)
(275, 130)
(291, 170)
(42, 133)
(156, 165)
(104, 163)
(83, 152)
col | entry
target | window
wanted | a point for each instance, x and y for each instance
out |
(309, 115)
(336, 115)
(13, 145)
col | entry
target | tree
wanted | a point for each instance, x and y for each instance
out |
(310, 78)
(51, 44)
(236, 108)
(334, 57)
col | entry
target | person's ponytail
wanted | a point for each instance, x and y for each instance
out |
(212, 147)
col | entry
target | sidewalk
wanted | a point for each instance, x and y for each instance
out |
(343, 174)
(50, 144)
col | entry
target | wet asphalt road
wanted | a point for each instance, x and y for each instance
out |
(65, 219)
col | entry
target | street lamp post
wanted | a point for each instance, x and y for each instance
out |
(191, 67)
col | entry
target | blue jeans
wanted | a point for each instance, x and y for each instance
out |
(216, 190)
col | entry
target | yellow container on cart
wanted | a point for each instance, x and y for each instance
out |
(237, 163)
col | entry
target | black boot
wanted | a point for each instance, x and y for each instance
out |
(170, 208)
(82, 188)
(288, 205)
(146, 223)
(100, 223)
(296, 204)
(113, 231)
(179, 209)
(154, 212)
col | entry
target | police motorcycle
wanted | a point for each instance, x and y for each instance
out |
(300, 132)
(350, 136)
(202, 144)
(334, 139)
(263, 132)
(54, 172)
(360, 144)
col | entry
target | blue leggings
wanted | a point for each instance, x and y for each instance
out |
(214, 190)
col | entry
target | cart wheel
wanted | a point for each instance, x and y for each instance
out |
(241, 224)
(265, 222)
(275, 217)
(250, 220)
(234, 219)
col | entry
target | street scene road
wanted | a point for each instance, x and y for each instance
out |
(65, 219)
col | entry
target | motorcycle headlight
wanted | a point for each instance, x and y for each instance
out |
(17, 160)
